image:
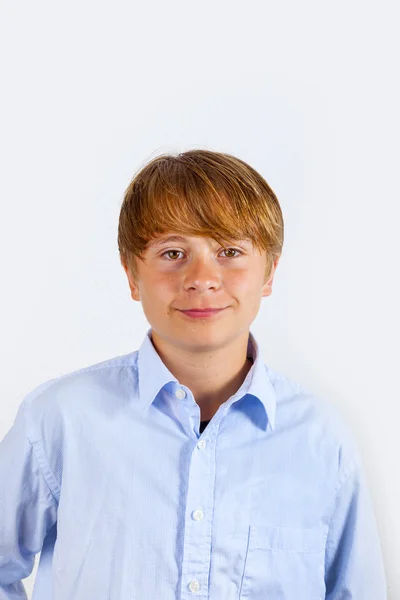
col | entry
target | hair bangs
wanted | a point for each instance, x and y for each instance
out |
(199, 193)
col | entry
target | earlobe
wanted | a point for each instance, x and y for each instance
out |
(135, 294)
(267, 287)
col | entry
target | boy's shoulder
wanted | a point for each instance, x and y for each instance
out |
(314, 419)
(69, 389)
(295, 398)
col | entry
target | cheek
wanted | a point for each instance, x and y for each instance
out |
(159, 290)
(244, 281)
(247, 288)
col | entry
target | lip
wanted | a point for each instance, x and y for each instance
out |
(197, 313)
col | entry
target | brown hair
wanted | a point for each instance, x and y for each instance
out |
(199, 192)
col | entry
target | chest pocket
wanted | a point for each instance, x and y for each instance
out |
(284, 563)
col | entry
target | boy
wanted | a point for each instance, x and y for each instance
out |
(189, 468)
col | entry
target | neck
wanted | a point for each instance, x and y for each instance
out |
(212, 374)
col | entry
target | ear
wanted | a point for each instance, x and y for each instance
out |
(132, 280)
(267, 285)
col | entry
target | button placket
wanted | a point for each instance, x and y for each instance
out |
(197, 536)
(190, 411)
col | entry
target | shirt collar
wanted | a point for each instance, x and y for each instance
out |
(153, 375)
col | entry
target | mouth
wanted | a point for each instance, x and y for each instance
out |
(199, 313)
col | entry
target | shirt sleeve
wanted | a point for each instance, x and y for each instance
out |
(28, 509)
(353, 562)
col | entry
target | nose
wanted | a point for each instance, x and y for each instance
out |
(202, 274)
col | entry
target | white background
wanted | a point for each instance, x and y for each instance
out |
(306, 92)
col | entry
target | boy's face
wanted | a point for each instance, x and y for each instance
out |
(196, 272)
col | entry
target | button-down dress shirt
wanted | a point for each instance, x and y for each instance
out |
(106, 473)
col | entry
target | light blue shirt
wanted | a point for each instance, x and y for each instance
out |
(105, 472)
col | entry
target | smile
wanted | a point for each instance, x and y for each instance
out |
(201, 314)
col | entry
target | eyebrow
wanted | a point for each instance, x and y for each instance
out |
(171, 238)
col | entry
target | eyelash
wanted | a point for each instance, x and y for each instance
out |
(224, 250)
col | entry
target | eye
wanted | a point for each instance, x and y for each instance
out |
(224, 250)
(170, 252)
(232, 250)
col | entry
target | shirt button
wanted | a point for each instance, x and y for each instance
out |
(194, 586)
(197, 514)
(202, 444)
(180, 394)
